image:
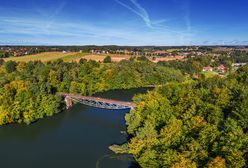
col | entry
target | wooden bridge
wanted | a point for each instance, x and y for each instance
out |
(96, 102)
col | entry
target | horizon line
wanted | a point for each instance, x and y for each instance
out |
(94, 45)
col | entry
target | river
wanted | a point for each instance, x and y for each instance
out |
(76, 138)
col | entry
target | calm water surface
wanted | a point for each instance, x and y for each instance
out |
(77, 138)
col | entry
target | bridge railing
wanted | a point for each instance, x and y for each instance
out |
(99, 102)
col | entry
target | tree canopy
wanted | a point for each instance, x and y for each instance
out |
(28, 90)
(198, 124)
(107, 59)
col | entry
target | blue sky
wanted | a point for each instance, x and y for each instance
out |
(124, 22)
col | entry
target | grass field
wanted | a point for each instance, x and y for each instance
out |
(115, 58)
(75, 56)
(67, 57)
(47, 56)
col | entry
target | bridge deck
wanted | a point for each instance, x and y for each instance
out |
(99, 99)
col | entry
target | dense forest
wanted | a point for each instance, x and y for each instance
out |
(192, 124)
(28, 90)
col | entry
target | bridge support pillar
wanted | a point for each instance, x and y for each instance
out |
(68, 102)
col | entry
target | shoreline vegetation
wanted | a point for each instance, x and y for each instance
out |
(28, 90)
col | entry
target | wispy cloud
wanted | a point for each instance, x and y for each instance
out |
(184, 6)
(187, 12)
(52, 12)
(140, 11)
(50, 15)
(80, 33)
(183, 36)
(47, 26)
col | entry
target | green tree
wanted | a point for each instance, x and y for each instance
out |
(10, 66)
(107, 59)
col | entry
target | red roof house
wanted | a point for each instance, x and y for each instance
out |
(221, 67)
(207, 69)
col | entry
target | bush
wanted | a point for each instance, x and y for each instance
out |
(10, 66)
(107, 59)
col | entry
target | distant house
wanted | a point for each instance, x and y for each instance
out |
(221, 68)
(18, 54)
(207, 69)
(104, 52)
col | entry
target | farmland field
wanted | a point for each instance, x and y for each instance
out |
(67, 57)
(76, 56)
(47, 56)
(114, 57)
